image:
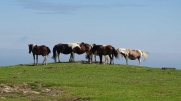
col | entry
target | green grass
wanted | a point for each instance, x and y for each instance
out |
(92, 82)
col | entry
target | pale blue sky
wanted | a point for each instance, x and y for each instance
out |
(150, 25)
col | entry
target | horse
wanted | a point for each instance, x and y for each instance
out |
(39, 50)
(64, 49)
(106, 58)
(132, 54)
(84, 48)
(105, 50)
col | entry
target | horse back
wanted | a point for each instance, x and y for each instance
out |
(134, 54)
(65, 49)
(104, 50)
(40, 50)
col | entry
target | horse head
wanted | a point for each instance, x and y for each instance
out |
(31, 46)
(95, 48)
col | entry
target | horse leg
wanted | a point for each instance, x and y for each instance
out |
(89, 58)
(105, 59)
(100, 57)
(36, 59)
(139, 59)
(71, 57)
(44, 61)
(55, 59)
(108, 60)
(111, 58)
(126, 60)
(58, 57)
(95, 58)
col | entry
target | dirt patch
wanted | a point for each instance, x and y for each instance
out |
(30, 90)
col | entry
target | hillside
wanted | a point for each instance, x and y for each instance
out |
(88, 82)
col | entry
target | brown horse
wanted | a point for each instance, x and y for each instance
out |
(132, 54)
(39, 50)
(84, 48)
(105, 50)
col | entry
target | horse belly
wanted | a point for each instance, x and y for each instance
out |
(66, 52)
(80, 52)
(132, 57)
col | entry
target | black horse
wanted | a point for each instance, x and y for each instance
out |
(62, 48)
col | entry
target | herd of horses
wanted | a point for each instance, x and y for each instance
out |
(108, 51)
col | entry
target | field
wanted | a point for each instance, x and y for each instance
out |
(88, 82)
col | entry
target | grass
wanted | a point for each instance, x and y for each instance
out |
(88, 82)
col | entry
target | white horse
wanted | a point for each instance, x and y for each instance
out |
(132, 54)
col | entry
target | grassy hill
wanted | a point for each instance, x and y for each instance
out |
(88, 82)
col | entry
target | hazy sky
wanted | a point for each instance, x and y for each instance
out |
(149, 25)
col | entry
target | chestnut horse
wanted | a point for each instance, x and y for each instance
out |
(84, 48)
(105, 50)
(132, 54)
(64, 49)
(39, 50)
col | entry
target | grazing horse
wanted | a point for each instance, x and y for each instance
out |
(39, 50)
(64, 49)
(84, 48)
(105, 50)
(132, 54)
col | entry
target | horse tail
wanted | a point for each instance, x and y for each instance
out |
(145, 54)
(115, 52)
(54, 52)
(49, 51)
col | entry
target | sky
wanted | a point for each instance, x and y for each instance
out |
(148, 25)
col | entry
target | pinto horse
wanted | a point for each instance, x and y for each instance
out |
(39, 50)
(105, 50)
(84, 48)
(132, 54)
(64, 49)
(60, 48)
